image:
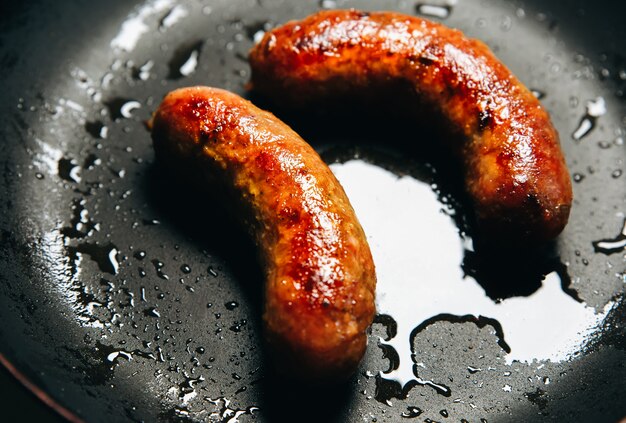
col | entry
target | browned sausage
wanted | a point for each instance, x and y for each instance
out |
(320, 279)
(515, 172)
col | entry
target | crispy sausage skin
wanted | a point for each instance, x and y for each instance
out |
(515, 172)
(320, 278)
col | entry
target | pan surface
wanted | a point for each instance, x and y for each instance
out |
(126, 296)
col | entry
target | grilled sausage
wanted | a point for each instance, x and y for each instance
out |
(320, 279)
(515, 172)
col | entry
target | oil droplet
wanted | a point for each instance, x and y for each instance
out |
(444, 413)
(143, 72)
(127, 108)
(158, 267)
(105, 82)
(506, 23)
(616, 173)
(151, 312)
(120, 174)
(238, 326)
(540, 95)
(595, 109)
(604, 74)
(175, 14)
(112, 357)
(473, 370)
(612, 246)
(105, 256)
(190, 65)
(231, 305)
(412, 412)
(91, 161)
(185, 60)
(131, 298)
(69, 170)
(255, 31)
(185, 269)
(188, 388)
(119, 107)
(328, 4)
(140, 255)
(177, 414)
(80, 225)
(435, 11)
(212, 271)
(578, 177)
(97, 129)
(151, 222)
(224, 412)
(68, 103)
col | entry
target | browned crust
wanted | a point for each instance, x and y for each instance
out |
(515, 171)
(320, 279)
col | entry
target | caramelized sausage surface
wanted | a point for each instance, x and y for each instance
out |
(320, 278)
(515, 172)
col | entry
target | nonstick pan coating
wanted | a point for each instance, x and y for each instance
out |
(126, 296)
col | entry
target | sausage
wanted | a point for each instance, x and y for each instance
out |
(514, 170)
(319, 274)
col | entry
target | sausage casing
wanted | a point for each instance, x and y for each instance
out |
(515, 172)
(320, 278)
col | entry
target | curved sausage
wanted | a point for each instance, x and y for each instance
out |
(320, 279)
(515, 172)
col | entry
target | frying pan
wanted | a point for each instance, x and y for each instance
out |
(127, 295)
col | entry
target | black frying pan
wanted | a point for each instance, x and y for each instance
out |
(125, 296)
